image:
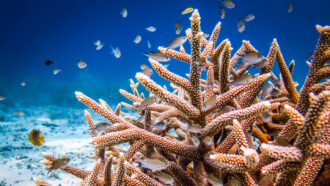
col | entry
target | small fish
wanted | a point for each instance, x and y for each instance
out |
(158, 56)
(290, 8)
(228, 4)
(310, 57)
(48, 62)
(242, 79)
(249, 17)
(208, 140)
(213, 180)
(102, 126)
(2, 98)
(151, 29)
(148, 72)
(149, 45)
(81, 64)
(222, 12)
(19, 112)
(177, 27)
(137, 39)
(116, 52)
(187, 11)
(148, 101)
(59, 163)
(266, 91)
(164, 178)
(123, 12)
(252, 58)
(227, 109)
(143, 66)
(241, 25)
(291, 66)
(195, 140)
(210, 102)
(35, 137)
(23, 84)
(195, 128)
(160, 126)
(177, 42)
(152, 164)
(265, 117)
(98, 44)
(206, 35)
(56, 71)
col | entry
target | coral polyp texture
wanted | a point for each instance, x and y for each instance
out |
(189, 137)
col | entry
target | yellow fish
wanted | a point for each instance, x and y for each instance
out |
(36, 138)
(187, 10)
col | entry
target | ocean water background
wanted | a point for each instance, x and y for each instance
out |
(65, 31)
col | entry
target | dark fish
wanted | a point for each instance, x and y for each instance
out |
(35, 137)
(48, 62)
(59, 163)
(195, 128)
(291, 66)
(227, 109)
(282, 141)
(177, 27)
(158, 56)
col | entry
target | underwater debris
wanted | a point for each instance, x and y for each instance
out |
(201, 145)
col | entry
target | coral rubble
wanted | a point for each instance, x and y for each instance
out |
(201, 143)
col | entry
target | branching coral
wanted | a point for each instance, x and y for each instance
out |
(194, 138)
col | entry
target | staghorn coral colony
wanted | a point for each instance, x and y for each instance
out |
(194, 143)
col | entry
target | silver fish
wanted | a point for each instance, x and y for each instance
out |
(151, 29)
(242, 79)
(265, 117)
(123, 12)
(177, 42)
(148, 72)
(241, 25)
(148, 101)
(213, 180)
(81, 64)
(19, 112)
(2, 98)
(266, 91)
(102, 126)
(195, 128)
(227, 109)
(164, 178)
(177, 27)
(149, 45)
(59, 163)
(210, 102)
(137, 39)
(158, 56)
(56, 71)
(228, 4)
(252, 58)
(249, 17)
(98, 44)
(160, 125)
(116, 52)
(153, 164)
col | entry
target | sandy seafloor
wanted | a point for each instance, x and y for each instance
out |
(65, 130)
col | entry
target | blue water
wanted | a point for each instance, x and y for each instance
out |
(65, 31)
